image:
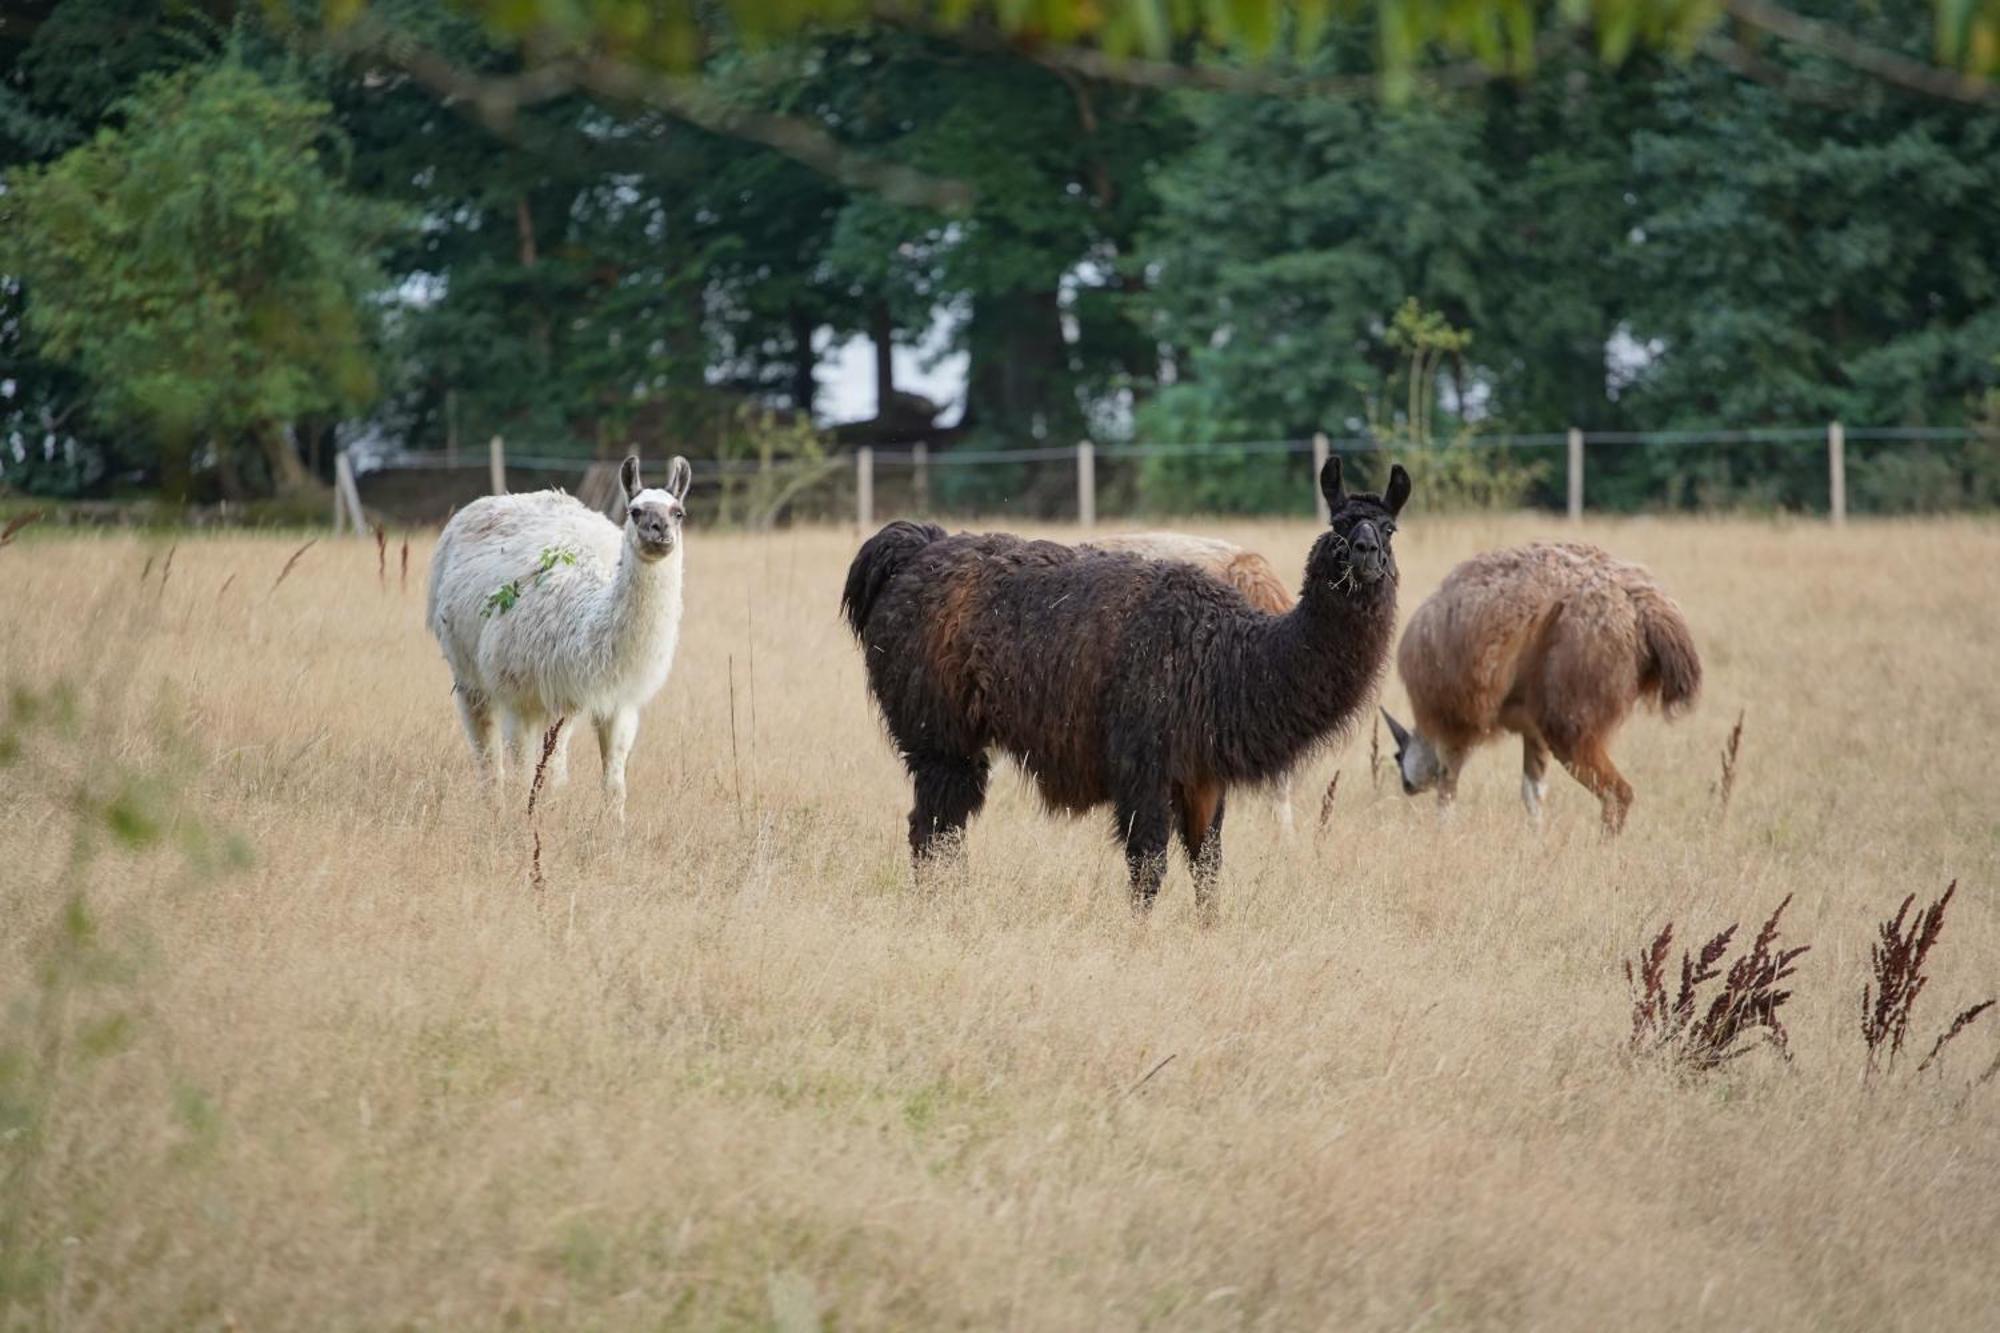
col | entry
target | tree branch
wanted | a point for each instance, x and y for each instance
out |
(1169, 76)
(698, 103)
(1839, 44)
(497, 100)
(1747, 64)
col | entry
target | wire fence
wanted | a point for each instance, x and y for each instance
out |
(1801, 469)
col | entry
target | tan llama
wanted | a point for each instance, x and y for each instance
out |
(1554, 642)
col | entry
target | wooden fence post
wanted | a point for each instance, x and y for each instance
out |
(1086, 484)
(1575, 475)
(496, 463)
(1836, 472)
(920, 477)
(347, 493)
(864, 487)
(1320, 451)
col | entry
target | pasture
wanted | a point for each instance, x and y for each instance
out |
(327, 1044)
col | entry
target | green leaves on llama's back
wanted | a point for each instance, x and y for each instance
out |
(553, 556)
(502, 599)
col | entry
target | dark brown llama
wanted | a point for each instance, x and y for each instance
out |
(1248, 572)
(1110, 678)
(1553, 641)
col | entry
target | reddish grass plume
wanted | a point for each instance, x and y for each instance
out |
(291, 562)
(1738, 1017)
(1897, 961)
(1727, 785)
(1326, 801)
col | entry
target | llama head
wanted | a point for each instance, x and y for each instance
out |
(1356, 552)
(1416, 758)
(653, 514)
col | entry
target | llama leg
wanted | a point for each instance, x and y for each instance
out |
(615, 734)
(1145, 820)
(525, 733)
(475, 711)
(1449, 762)
(519, 742)
(950, 789)
(1201, 837)
(1286, 824)
(1591, 766)
(1534, 775)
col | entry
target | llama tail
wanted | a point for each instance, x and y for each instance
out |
(878, 561)
(1669, 666)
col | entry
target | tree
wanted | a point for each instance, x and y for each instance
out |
(204, 270)
(64, 65)
(1288, 236)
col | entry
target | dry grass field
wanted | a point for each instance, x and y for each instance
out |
(288, 1039)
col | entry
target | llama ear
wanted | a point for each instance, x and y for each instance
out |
(1329, 484)
(679, 477)
(1396, 729)
(1398, 493)
(628, 476)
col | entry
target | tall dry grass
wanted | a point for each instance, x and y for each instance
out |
(729, 1069)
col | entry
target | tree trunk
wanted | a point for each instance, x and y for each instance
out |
(529, 255)
(883, 330)
(804, 387)
(228, 477)
(288, 473)
(1020, 378)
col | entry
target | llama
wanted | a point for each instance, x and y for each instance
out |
(1552, 641)
(546, 611)
(1112, 679)
(1246, 571)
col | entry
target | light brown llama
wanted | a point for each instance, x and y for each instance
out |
(1554, 641)
(1246, 571)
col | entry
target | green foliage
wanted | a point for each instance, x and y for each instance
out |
(1284, 234)
(1896, 478)
(1628, 262)
(1460, 474)
(1804, 261)
(501, 600)
(505, 597)
(201, 266)
(777, 459)
(1501, 32)
(1447, 474)
(551, 557)
(1222, 480)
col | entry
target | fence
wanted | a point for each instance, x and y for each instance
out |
(1069, 480)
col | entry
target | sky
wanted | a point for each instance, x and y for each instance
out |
(846, 376)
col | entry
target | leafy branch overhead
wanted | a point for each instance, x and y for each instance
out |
(642, 52)
(1501, 34)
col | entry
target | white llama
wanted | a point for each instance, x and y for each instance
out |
(546, 611)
